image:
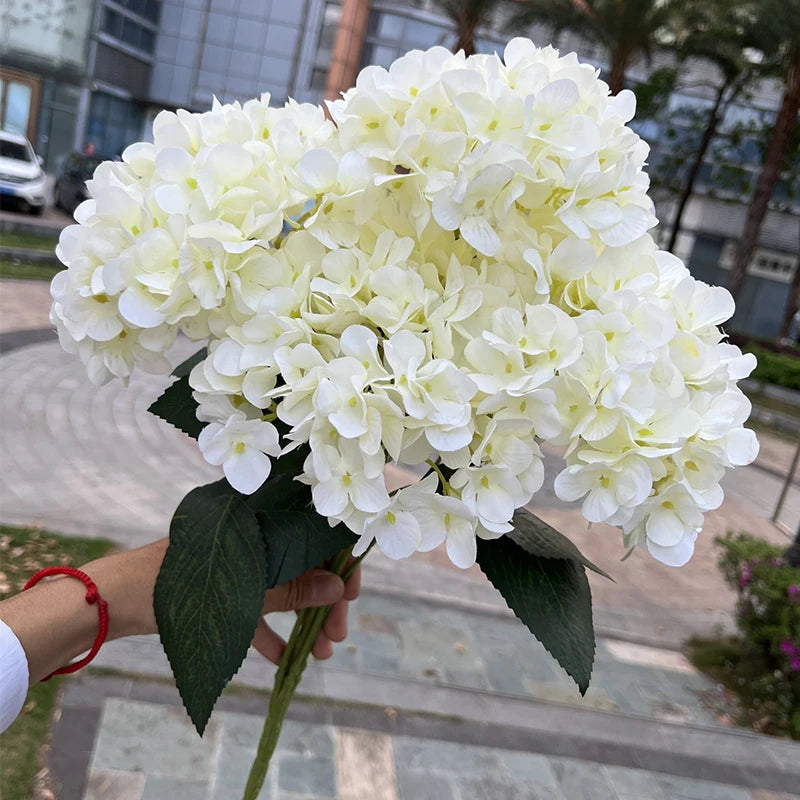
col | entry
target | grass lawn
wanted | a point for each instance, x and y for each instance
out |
(38, 272)
(30, 241)
(23, 551)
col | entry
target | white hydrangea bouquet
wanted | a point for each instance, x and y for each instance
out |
(454, 269)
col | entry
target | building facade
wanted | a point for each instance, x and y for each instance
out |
(95, 72)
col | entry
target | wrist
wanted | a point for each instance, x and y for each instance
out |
(126, 582)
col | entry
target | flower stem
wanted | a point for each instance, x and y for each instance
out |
(290, 670)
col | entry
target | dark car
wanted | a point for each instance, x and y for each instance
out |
(75, 170)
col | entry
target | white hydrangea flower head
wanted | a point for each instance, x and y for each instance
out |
(453, 270)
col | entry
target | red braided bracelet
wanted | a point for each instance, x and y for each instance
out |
(92, 597)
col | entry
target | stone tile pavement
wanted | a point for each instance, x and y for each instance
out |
(431, 644)
(143, 748)
(92, 461)
(24, 305)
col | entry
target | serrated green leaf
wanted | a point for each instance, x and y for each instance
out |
(535, 536)
(210, 593)
(177, 407)
(551, 596)
(185, 367)
(296, 537)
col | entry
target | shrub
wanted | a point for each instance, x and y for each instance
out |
(766, 669)
(782, 369)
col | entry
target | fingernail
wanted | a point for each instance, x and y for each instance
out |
(326, 588)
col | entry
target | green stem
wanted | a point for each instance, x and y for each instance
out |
(290, 670)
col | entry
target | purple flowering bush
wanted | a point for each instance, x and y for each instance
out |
(768, 619)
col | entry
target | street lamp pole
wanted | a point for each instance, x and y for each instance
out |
(792, 555)
(787, 483)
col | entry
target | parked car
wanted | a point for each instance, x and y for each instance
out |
(75, 170)
(22, 179)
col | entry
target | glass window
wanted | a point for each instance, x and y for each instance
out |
(112, 23)
(152, 10)
(113, 123)
(380, 55)
(319, 79)
(18, 107)
(149, 9)
(706, 250)
(422, 34)
(147, 40)
(15, 150)
(130, 32)
(385, 26)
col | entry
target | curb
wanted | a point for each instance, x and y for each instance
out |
(8, 224)
(25, 256)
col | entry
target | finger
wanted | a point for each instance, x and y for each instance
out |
(268, 643)
(323, 647)
(353, 586)
(335, 626)
(314, 588)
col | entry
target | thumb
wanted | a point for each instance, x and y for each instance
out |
(313, 588)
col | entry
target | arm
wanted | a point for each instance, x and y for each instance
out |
(54, 623)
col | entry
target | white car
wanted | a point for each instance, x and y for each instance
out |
(21, 174)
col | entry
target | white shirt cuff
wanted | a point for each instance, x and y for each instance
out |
(13, 676)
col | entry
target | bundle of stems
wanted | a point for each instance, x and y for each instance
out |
(290, 671)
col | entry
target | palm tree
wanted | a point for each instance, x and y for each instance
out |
(628, 29)
(776, 34)
(468, 16)
(713, 30)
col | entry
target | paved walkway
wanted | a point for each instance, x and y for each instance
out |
(426, 637)
(370, 753)
(91, 461)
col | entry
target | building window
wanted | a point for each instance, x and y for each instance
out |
(114, 123)
(324, 50)
(390, 34)
(128, 29)
(19, 102)
(147, 9)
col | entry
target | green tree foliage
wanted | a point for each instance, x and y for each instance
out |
(774, 32)
(627, 29)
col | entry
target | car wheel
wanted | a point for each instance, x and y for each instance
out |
(35, 211)
(57, 197)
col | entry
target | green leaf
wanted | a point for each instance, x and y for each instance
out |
(185, 367)
(544, 583)
(537, 537)
(296, 537)
(210, 593)
(177, 407)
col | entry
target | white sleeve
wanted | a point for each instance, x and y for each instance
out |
(13, 676)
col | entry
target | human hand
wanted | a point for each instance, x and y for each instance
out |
(315, 588)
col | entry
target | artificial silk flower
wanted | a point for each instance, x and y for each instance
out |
(456, 268)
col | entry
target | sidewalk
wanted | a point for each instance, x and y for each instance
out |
(90, 461)
(365, 753)
(425, 701)
(476, 708)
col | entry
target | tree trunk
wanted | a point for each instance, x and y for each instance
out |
(770, 172)
(619, 66)
(792, 304)
(691, 178)
(466, 36)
